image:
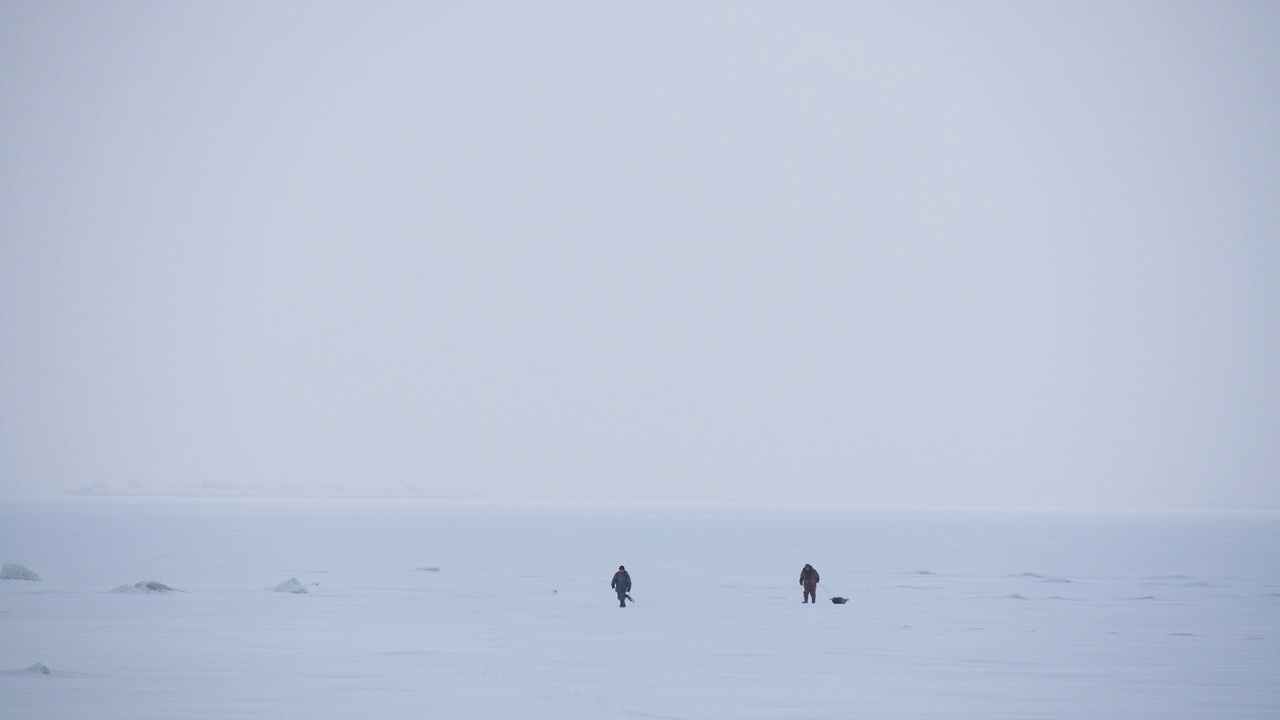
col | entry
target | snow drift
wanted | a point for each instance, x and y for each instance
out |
(146, 586)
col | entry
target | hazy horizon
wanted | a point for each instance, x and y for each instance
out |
(919, 254)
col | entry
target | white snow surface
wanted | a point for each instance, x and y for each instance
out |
(962, 615)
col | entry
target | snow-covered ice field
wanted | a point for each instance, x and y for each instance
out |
(451, 610)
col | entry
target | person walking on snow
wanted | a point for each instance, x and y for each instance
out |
(809, 579)
(622, 584)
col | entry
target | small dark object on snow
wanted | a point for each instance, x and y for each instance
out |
(839, 600)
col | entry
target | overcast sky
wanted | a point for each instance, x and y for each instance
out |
(1018, 254)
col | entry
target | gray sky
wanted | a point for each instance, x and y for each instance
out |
(927, 254)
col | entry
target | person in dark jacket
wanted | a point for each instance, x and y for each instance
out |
(622, 585)
(809, 580)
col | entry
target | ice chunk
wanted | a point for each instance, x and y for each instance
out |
(291, 586)
(14, 571)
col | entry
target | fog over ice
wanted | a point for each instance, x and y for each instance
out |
(836, 253)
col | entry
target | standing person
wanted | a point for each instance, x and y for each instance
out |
(622, 584)
(809, 579)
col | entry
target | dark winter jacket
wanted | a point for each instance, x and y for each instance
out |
(621, 581)
(809, 577)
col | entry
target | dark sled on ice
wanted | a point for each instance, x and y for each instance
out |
(839, 600)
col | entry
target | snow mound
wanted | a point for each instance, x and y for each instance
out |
(1041, 578)
(37, 669)
(429, 568)
(291, 586)
(14, 571)
(146, 586)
